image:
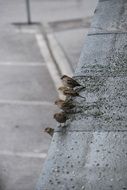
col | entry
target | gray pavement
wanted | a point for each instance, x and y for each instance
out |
(18, 47)
(26, 108)
(26, 83)
(27, 89)
(46, 10)
(72, 46)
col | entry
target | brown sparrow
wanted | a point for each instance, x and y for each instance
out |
(69, 92)
(60, 117)
(69, 82)
(49, 130)
(64, 105)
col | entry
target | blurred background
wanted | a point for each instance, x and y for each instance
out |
(39, 40)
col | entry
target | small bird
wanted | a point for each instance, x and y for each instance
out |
(69, 92)
(60, 117)
(69, 82)
(64, 105)
(49, 130)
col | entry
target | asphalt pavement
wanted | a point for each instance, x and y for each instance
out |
(29, 77)
(26, 108)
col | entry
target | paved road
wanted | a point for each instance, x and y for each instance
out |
(28, 82)
(46, 10)
(26, 108)
(51, 11)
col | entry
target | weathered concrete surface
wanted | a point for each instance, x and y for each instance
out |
(91, 152)
(86, 160)
(110, 15)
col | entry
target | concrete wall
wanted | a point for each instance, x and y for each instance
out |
(91, 152)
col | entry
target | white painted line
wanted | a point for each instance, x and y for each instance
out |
(24, 30)
(49, 62)
(60, 57)
(28, 103)
(22, 64)
(23, 154)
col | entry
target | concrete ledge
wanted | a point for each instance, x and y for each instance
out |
(110, 15)
(91, 152)
(86, 160)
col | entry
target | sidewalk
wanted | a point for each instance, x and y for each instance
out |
(26, 108)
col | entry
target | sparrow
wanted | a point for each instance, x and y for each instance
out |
(69, 92)
(64, 105)
(60, 117)
(49, 130)
(69, 82)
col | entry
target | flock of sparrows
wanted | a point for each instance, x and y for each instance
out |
(68, 89)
